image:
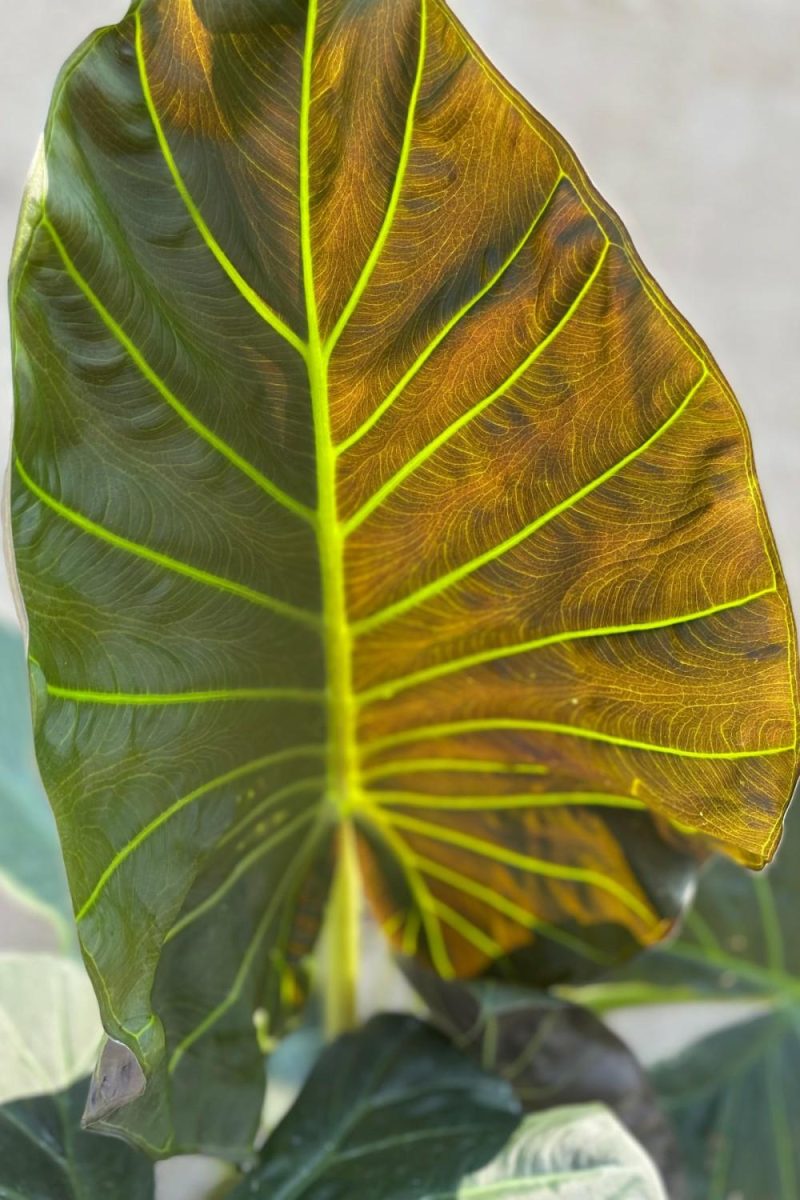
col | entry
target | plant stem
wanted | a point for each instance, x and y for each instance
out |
(342, 941)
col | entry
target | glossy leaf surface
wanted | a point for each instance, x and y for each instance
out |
(31, 865)
(553, 1054)
(44, 1154)
(365, 478)
(395, 1111)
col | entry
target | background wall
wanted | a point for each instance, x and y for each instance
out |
(686, 114)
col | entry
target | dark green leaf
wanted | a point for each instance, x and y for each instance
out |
(735, 1096)
(735, 1101)
(389, 1109)
(44, 1154)
(739, 940)
(552, 1053)
(395, 1112)
(241, 16)
(367, 491)
(30, 856)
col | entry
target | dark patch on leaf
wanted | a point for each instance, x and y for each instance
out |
(118, 1080)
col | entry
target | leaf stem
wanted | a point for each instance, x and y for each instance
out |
(342, 940)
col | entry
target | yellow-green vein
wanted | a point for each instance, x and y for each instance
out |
(491, 724)
(44, 1144)
(247, 962)
(723, 1147)
(523, 862)
(411, 931)
(466, 929)
(242, 867)
(219, 582)
(467, 766)
(397, 188)
(342, 758)
(158, 699)
(249, 768)
(521, 916)
(154, 379)
(394, 923)
(35, 191)
(436, 586)
(270, 317)
(408, 469)
(297, 787)
(385, 691)
(447, 328)
(417, 888)
(342, 763)
(528, 1185)
(769, 981)
(501, 801)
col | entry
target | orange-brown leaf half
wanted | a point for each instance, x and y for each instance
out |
(364, 480)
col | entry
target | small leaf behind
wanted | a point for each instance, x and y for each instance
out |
(567, 1154)
(396, 1112)
(734, 1096)
(45, 1156)
(392, 1111)
(552, 1053)
(49, 1025)
(735, 1101)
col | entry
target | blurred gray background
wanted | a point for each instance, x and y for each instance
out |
(686, 113)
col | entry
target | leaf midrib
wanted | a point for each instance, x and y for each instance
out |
(342, 752)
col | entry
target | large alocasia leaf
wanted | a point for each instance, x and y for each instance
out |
(395, 1111)
(365, 478)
